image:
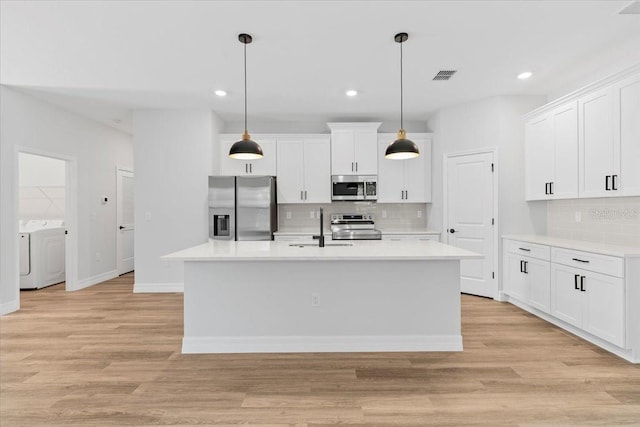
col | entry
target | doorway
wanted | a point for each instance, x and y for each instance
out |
(470, 197)
(46, 211)
(124, 189)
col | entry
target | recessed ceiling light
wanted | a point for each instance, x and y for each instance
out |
(220, 92)
(351, 92)
(525, 75)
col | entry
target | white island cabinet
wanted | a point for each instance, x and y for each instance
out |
(267, 296)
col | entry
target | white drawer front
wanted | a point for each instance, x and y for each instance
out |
(528, 249)
(604, 264)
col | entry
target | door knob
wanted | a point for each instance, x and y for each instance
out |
(122, 226)
(451, 230)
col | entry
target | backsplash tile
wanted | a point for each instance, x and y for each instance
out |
(389, 216)
(606, 220)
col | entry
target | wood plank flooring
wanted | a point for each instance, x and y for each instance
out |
(104, 356)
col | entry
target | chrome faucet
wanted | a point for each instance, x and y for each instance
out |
(320, 238)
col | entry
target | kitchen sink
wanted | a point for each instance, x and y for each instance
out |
(302, 245)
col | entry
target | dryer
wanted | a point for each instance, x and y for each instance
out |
(42, 253)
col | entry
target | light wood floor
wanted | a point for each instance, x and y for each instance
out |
(104, 356)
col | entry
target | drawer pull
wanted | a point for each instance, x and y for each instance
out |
(580, 260)
(525, 249)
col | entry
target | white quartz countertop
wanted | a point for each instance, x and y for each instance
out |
(378, 250)
(328, 232)
(579, 245)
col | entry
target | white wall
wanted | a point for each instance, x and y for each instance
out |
(35, 125)
(174, 152)
(492, 122)
(42, 187)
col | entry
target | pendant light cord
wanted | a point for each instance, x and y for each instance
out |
(401, 92)
(245, 88)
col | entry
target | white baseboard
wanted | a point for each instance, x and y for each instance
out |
(307, 344)
(626, 354)
(158, 287)
(93, 280)
(9, 307)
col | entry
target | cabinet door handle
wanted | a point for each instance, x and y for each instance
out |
(521, 266)
(251, 167)
(305, 194)
(246, 168)
(551, 187)
(525, 249)
(406, 194)
(356, 166)
(546, 188)
(351, 166)
(301, 195)
(580, 260)
(606, 182)
(582, 284)
(613, 182)
(575, 282)
(525, 267)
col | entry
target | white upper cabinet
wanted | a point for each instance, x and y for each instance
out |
(610, 140)
(264, 166)
(353, 148)
(596, 144)
(589, 145)
(626, 134)
(551, 153)
(304, 169)
(404, 181)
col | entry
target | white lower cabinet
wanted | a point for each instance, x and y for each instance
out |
(413, 236)
(527, 280)
(590, 301)
(586, 290)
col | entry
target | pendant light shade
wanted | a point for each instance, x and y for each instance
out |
(402, 148)
(246, 148)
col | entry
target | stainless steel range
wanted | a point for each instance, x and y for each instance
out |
(354, 227)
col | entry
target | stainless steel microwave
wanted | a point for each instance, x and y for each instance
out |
(354, 187)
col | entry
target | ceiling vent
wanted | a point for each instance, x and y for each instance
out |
(632, 8)
(444, 74)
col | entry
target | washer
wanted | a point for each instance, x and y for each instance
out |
(41, 253)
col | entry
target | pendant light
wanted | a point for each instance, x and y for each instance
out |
(401, 148)
(245, 149)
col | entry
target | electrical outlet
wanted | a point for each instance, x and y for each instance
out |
(578, 216)
(288, 215)
(419, 214)
(384, 214)
(312, 215)
(315, 299)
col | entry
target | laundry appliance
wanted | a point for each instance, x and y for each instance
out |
(42, 253)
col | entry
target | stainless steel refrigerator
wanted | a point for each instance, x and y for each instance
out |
(242, 207)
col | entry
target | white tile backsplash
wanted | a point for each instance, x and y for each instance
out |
(605, 220)
(389, 216)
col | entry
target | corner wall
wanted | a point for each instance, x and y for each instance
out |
(492, 122)
(174, 154)
(33, 124)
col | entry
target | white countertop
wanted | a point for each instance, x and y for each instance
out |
(579, 245)
(328, 232)
(363, 250)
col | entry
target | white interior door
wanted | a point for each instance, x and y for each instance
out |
(125, 221)
(469, 205)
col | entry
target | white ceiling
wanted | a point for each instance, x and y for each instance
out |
(105, 58)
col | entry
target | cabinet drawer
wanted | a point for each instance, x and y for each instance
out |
(528, 249)
(604, 264)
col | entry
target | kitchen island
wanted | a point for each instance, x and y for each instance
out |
(246, 297)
